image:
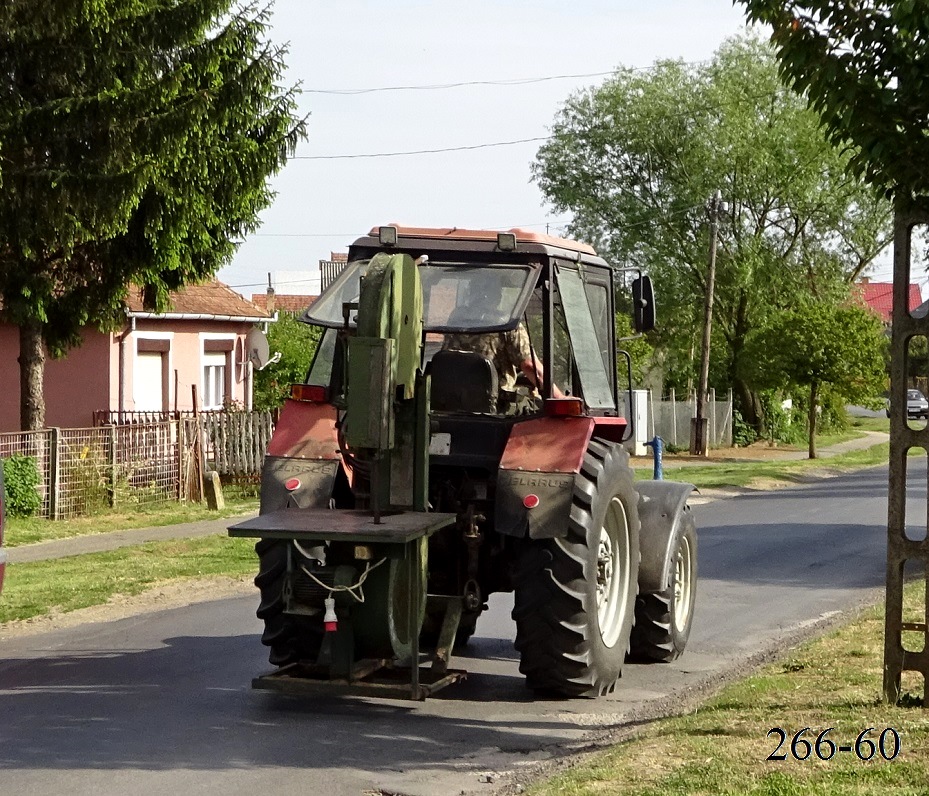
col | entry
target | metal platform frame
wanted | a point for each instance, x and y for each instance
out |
(402, 533)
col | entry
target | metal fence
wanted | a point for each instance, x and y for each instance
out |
(83, 470)
(669, 418)
(36, 445)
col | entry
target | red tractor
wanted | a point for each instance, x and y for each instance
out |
(459, 434)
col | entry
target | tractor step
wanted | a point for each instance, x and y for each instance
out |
(377, 678)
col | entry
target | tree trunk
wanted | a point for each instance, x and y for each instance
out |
(31, 377)
(814, 397)
(749, 405)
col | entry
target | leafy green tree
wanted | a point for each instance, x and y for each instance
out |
(863, 67)
(635, 160)
(296, 342)
(821, 349)
(136, 141)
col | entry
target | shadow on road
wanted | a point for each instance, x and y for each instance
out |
(167, 709)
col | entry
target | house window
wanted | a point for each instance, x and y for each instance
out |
(150, 381)
(216, 387)
(215, 372)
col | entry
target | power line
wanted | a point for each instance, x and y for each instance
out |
(421, 151)
(516, 81)
(536, 139)
(462, 84)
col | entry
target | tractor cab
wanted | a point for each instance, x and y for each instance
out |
(489, 300)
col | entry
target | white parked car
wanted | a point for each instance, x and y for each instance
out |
(916, 404)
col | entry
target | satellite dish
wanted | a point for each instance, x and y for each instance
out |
(256, 348)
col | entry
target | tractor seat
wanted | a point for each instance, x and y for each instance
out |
(463, 381)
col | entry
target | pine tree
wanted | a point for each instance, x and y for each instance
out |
(136, 142)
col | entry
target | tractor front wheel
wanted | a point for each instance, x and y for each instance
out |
(575, 594)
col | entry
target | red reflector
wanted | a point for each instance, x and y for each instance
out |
(309, 392)
(561, 407)
(291, 484)
(531, 501)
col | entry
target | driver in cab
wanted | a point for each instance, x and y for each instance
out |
(510, 351)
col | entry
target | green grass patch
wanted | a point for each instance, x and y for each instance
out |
(26, 530)
(825, 440)
(748, 473)
(881, 423)
(723, 747)
(66, 584)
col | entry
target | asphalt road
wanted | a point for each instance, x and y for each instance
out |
(161, 703)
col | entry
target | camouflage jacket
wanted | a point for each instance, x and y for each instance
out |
(507, 350)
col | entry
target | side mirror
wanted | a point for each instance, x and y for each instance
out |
(643, 304)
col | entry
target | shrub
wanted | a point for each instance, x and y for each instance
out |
(21, 478)
(743, 434)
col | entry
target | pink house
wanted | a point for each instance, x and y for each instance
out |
(151, 365)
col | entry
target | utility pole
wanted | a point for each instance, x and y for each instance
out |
(715, 208)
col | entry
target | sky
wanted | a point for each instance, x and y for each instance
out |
(325, 200)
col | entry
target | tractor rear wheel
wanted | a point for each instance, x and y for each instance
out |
(292, 638)
(575, 595)
(663, 619)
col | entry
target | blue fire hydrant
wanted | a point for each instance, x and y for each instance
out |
(657, 446)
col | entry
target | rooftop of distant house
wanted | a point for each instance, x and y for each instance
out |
(283, 302)
(879, 296)
(210, 299)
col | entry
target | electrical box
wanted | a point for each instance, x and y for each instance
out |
(640, 421)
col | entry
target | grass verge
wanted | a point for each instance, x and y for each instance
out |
(723, 747)
(758, 474)
(26, 530)
(66, 584)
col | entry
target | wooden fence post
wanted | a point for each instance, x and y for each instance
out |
(196, 481)
(181, 458)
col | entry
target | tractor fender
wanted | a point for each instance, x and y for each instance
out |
(661, 506)
(535, 481)
(304, 455)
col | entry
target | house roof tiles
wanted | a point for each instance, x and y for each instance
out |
(210, 298)
(879, 297)
(285, 302)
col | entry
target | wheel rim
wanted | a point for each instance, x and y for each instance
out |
(614, 566)
(683, 584)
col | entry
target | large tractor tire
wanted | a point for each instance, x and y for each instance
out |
(663, 619)
(575, 595)
(292, 638)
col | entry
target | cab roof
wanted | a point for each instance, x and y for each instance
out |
(460, 234)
